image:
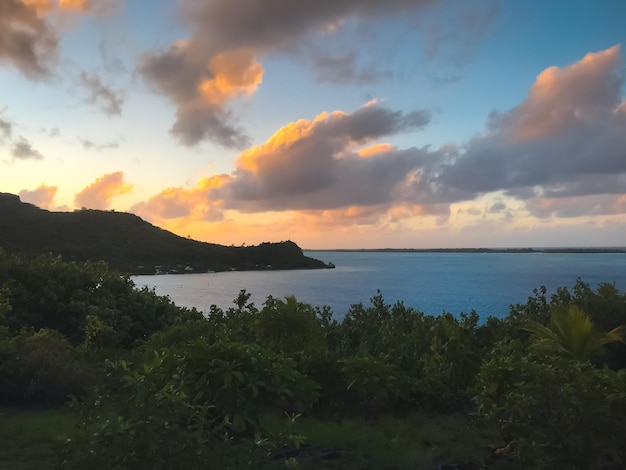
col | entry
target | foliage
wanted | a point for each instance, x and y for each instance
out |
(290, 327)
(572, 333)
(40, 369)
(182, 389)
(183, 405)
(85, 302)
(552, 411)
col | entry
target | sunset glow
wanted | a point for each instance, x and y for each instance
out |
(351, 124)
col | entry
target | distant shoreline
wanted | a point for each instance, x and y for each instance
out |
(479, 250)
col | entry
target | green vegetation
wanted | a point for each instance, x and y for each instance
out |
(95, 373)
(130, 244)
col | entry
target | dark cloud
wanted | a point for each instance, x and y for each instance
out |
(26, 40)
(198, 122)
(313, 164)
(497, 207)
(201, 113)
(219, 61)
(566, 139)
(23, 150)
(562, 151)
(276, 23)
(107, 98)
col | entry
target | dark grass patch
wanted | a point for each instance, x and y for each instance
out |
(34, 439)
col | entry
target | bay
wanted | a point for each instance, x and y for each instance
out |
(430, 282)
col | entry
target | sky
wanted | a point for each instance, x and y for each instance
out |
(335, 124)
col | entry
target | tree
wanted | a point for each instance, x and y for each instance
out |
(571, 332)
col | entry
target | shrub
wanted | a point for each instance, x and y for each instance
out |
(41, 369)
(552, 411)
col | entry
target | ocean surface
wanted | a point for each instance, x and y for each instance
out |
(430, 282)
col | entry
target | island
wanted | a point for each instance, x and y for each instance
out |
(132, 245)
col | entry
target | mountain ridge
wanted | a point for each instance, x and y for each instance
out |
(131, 244)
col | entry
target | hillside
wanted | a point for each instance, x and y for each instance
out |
(131, 244)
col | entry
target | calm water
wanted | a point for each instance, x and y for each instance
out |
(430, 282)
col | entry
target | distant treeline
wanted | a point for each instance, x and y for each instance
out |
(482, 250)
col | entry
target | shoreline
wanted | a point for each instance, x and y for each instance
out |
(475, 250)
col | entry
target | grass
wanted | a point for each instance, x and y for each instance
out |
(29, 439)
(33, 439)
(416, 441)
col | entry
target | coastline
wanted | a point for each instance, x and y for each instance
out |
(607, 250)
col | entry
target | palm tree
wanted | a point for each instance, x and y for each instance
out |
(571, 332)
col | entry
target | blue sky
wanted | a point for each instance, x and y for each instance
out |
(407, 123)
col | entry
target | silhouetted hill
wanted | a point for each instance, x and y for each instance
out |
(131, 244)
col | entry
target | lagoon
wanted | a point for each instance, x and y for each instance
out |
(430, 282)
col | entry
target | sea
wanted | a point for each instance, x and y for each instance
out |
(431, 282)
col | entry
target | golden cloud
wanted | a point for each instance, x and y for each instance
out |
(189, 204)
(561, 96)
(42, 196)
(98, 194)
(234, 73)
(375, 150)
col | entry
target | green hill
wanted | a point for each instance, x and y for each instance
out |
(131, 244)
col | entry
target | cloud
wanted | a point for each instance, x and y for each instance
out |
(451, 41)
(497, 207)
(27, 41)
(6, 129)
(42, 197)
(108, 99)
(201, 90)
(23, 150)
(97, 7)
(90, 145)
(335, 170)
(98, 195)
(315, 164)
(219, 62)
(195, 203)
(563, 98)
(566, 207)
(566, 138)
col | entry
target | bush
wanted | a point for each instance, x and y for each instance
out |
(179, 409)
(552, 411)
(41, 369)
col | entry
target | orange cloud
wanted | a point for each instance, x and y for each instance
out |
(234, 73)
(82, 5)
(186, 204)
(375, 150)
(39, 6)
(43, 7)
(98, 195)
(42, 197)
(281, 140)
(562, 96)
